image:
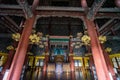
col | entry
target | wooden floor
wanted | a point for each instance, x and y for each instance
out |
(37, 75)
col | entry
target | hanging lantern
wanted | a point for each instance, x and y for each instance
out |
(10, 47)
(102, 39)
(86, 39)
(16, 36)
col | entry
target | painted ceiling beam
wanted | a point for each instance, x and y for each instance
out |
(94, 9)
(49, 8)
(108, 28)
(12, 22)
(26, 8)
(59, 11)
(106, 24)
(4, 35)
(58, 14)
(7, 26)
(73, 14)
(10, 25)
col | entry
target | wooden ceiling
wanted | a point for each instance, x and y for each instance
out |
(60, 17)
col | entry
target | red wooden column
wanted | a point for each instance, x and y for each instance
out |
(18, 60)
(9, 59)
(45, 67)
(99, 60)
(72, 67)
(45, 61)
(110, 67)
(71, 57)
(91, 64)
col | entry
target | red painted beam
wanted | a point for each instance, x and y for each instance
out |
(34, 5)
(12, 22)
(99, 60)
(72, 67)
(85, 6)
(117, 2)
(18, 60)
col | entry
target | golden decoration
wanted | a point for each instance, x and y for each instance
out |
(40, 34)
(16, 36)
(3, 60)
(102, 39)
(86, 39)
(30, 53)
(10, 47)
(108, 49)
(34, 39)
